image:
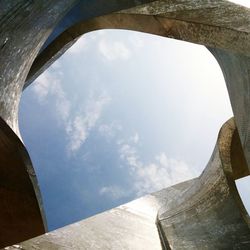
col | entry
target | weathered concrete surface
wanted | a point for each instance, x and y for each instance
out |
(130, 226)
(205, 213)
(20, 216)
(180, 20)
(86, 10)
(210, 214)
(24, 27)
(236, 70)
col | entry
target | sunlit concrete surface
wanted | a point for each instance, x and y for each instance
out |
(130, 226)
(28, 45)
(210, 214)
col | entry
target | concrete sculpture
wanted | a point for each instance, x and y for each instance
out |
(203, 213)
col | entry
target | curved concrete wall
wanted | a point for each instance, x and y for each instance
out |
(24, 27)
(221, 26)
(210, 213)
(21, 213)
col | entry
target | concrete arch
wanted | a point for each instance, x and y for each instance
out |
(26, 25)
(153, 24)
(224, 28)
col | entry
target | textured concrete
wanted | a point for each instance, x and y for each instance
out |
(159, 18)
(24, 27)
(204, 213)
(210, 214)
(236, 70)
(130, 226)
(20, 216)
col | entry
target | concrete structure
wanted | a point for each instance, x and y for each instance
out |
(204, 213)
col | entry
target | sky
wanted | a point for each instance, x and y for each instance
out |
(245, 3)
(121, 114)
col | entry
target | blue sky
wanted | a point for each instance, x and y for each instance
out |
(119, 115)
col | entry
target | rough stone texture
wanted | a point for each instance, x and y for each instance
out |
(204, 213)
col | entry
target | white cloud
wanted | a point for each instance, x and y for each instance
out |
(162, 173)
(42, 85)
(63, 107)
(135, 138)
(79, 124)
(113, 50)
(153, 176)
(114, 192)
(49, 84)
(129, 154)
(79, 127)
(109, 130)
(86, 41)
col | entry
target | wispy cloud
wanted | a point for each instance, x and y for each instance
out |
(109, 130)
(135, 138)
(129, 154)
(79, 127)
(43, 85)
(160, 173)
(76, 123)
(110, 49)
(113, 50)
(113, 192)
(49, 84)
